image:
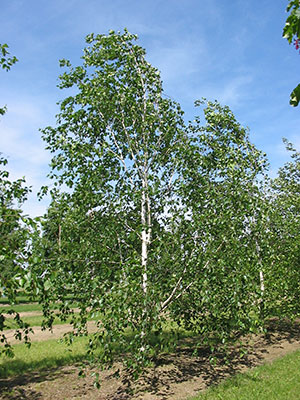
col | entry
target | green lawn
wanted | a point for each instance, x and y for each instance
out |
(26, 307)
(22, 307)
(41, 355)
(19, 299)
(277, 381)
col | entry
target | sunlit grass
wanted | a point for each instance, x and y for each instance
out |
(26, 307)
(279, 380)
(19, 299)
(42, 355)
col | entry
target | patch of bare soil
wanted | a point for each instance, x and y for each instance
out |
(40, 335)
(174, 377)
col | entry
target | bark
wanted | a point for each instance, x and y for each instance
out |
(261, 279)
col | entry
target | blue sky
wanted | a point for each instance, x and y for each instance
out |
(232, 51)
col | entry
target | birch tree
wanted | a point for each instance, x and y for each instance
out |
(154, 224)
(283, 294)
(119, 145)
(15, 230)
(222, 192)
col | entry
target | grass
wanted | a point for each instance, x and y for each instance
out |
(23, 307)
(35, 320)
(23, 302)
(42, 355)
(278, 380)
(27, 307)
(19, 299)
(49, 354)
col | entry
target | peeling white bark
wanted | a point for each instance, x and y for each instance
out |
(145, 218)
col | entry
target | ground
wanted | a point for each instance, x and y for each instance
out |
(174, 377)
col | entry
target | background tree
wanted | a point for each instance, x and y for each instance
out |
(291, 32)
(13, 235)
(222, 194)
(15, 231)
(6, 63)
(284, 227)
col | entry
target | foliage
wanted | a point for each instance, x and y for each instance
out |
(14, 235)
(284, 226)
(15, 231)
(6, 63)
(291, 32)
(223, 195)
(118, 144)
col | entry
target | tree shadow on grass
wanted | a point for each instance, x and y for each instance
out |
(13, 388)
(184, 366)
(16, 387)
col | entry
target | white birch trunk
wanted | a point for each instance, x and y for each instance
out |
(261, 279)
(146, 233)
(145, 240)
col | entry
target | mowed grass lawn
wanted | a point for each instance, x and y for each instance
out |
(42, 355)
(279, 380)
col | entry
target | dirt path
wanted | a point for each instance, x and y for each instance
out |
(174, 377)
(40, 335)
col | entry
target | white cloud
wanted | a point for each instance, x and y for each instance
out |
(235, 90)
(19, 132)
(21, 144)
(179, 60)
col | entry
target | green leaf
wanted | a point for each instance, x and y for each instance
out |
(295, 96)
